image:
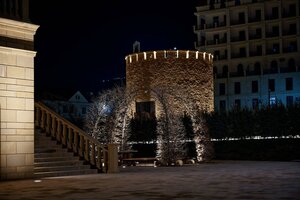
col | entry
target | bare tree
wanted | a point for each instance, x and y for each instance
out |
(108, 116)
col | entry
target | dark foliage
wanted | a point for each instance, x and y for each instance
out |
(266, 122)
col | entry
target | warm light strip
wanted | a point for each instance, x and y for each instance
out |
(154, 53)
(145, 56)
(187, 54)
(177, 54)
(197, 54)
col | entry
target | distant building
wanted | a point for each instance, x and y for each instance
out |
(256, 48)
(74, 108)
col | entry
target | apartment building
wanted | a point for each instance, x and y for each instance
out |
(256, 48)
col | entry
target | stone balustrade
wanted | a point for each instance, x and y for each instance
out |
(75, 139)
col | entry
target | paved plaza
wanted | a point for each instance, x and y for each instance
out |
(214, 180)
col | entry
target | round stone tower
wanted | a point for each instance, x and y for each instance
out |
(191, 70)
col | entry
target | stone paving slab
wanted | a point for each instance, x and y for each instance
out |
(215, 180)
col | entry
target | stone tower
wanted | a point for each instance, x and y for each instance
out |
(191, 70)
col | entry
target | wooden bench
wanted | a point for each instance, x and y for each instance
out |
(142, 161)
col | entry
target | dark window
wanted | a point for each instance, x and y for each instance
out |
(65, 108)
(241, 17)
(259, 50)
(258, 14)
(274, 66)
(215, 70)
(237, 87)
(254, 86)
(237, 103)
(242, 35)
(242, 52)
(292, 29)
(292, 9)
(217, 55)
(222, 105)
(240, 70)
(257, 68)
(275, 48)
(291, 65)
(289, 83)
(148, 107)
(258, 32)
(255, 104)
(222, 88)
(216, 21)
(83, 110)
(289, 100)
(275, 31)
(237, 2)
(225, 70)
(271, 85)
(275, 13)
(292, 46)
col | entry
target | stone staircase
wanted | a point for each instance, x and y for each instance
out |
(51, 159)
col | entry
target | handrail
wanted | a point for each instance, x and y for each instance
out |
(72, 137)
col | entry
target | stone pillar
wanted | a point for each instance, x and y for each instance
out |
(16, 100)
(112, 158)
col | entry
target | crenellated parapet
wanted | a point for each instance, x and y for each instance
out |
(168, 54)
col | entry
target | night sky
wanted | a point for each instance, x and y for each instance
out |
(81, 43)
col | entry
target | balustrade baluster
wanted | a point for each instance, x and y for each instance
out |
(58, 134)
(81, 146)
(43, 120)
(86, 150)
(48, 121)
(75, 145)
(92, 159)
(70, 138)
(64, 136)
(54, 124)
(104, 161)
(99, 162)
(37, 116)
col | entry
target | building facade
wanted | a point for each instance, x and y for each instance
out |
(16, 90)
(256, 48)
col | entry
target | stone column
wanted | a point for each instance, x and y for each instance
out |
(112, 158)
(17, 100)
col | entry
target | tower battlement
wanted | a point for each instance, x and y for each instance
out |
(168, 54)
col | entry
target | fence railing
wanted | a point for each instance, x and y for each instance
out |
(71, 137)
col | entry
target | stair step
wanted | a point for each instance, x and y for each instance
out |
(61, 168)
(55, 159)
(52, 159)
(65, 173)
(59, 163)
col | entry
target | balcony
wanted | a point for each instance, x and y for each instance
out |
(220, 57)
(289, 32)
(237, 39)
(272, 51)
(254, 19)
(271, 17)
(238, 55)
(217, 41)
(286, 14)
(255, 37)
(290, 49)
(272, 34)
(255, 53)
(215, 25)
(237, 22)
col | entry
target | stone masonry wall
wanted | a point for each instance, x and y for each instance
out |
(16, 102)
(190, 70)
